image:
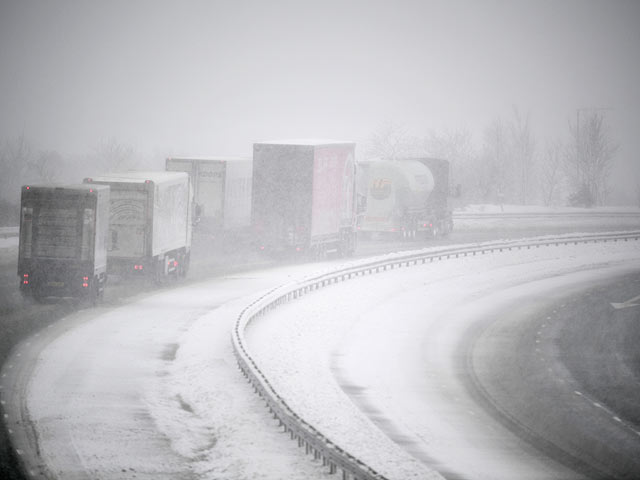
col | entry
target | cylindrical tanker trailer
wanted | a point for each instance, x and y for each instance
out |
(406, 197)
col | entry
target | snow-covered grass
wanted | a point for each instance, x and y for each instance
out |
(303, 345)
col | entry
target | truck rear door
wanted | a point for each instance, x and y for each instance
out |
(128, 231)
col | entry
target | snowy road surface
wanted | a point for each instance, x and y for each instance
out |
(405, 346)
(151, 390)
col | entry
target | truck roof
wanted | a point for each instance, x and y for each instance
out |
(306, 142)
(209, 158)
(158, 176)
(79, 187)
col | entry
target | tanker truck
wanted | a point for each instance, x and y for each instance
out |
(406, 197)
(304, 197)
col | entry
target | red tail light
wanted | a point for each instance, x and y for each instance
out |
(25, 279)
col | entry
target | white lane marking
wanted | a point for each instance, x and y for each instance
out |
(613, 416)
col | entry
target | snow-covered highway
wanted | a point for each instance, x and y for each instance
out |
(389, 366)
(409, 348)
(149, 389)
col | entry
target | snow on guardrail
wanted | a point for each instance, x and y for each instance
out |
(315, 442)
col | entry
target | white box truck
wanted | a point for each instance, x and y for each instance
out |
(221, 191)
(149, 223)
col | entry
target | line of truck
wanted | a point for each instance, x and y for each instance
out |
(300, 197)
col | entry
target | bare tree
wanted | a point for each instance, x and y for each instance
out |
(457, 147)
(552, 174)
(44, 167)
(593, 156)
(493, 175)
(521, 153)
(391, 142)
(111, 155)
(14, 158)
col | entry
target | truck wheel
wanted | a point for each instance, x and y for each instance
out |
(31, 298)
(94, 295)
(158, 273)
(320, 252)
(183, 267)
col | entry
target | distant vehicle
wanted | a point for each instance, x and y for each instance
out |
(304, 197)
(407, 197)
(149, 223)
(221, 191)
(62, 245)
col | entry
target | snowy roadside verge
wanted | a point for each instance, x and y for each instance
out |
(375, 451)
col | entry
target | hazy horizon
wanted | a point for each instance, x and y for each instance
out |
(212, 77)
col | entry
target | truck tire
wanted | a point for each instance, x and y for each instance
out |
(94, 294)
(183, 267)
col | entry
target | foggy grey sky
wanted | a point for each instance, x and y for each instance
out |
(212, 77)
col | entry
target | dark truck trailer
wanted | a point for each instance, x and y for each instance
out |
(303, 196)
(149, 223)
(62, 247)
(439, 211)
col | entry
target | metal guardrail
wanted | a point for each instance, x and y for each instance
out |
(308, 436)
(529, 215)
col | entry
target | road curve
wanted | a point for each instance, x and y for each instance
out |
(560, 367)
(115, 393)
(484, 403)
